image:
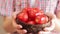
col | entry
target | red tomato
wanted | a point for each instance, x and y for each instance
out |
(42, 19)
(28, 9)
(23, 17)
(24, 10)
(32, 12)
(31, 22)
(40, 13)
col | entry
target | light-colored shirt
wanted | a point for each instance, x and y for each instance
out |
(7, 6)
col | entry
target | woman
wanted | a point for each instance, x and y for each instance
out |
(9, 9)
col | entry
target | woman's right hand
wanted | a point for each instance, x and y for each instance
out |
(16, 26)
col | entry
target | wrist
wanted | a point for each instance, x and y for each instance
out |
(7, 25)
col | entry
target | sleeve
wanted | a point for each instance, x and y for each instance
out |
(51, 6)
(6, 7)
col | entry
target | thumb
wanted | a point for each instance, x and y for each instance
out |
(50, 15)
(15, 14)
(16, 26)
(51, 27)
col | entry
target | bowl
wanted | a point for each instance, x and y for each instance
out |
(34, 29)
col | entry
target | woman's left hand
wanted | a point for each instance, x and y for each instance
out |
(48, 29)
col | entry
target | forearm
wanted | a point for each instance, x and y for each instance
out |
(8, 24)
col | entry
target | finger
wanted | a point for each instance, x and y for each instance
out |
(15, 25)
(51, 27)
(14, 14)
(22, 31)
(49, 14)
(43, 32)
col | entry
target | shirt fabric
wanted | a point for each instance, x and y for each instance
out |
(7, 6)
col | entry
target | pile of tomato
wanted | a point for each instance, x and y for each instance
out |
(32, 16)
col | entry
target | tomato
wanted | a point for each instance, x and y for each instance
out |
(32, 12)
(28, 9)
(42, 19)
(31, 22)
(23, 17)
(24, 10)
(40, 13)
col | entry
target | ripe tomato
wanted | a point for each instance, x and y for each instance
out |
(23, 17)
(40, 13)
(28, 9)
(31, 22)
(32, 12)
(24, 10)
(42, 19)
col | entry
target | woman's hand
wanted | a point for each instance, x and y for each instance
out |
(16, 26)
(11, 26)
(48, 29)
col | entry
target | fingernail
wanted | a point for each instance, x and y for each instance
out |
(25, 30)
(20, 26)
